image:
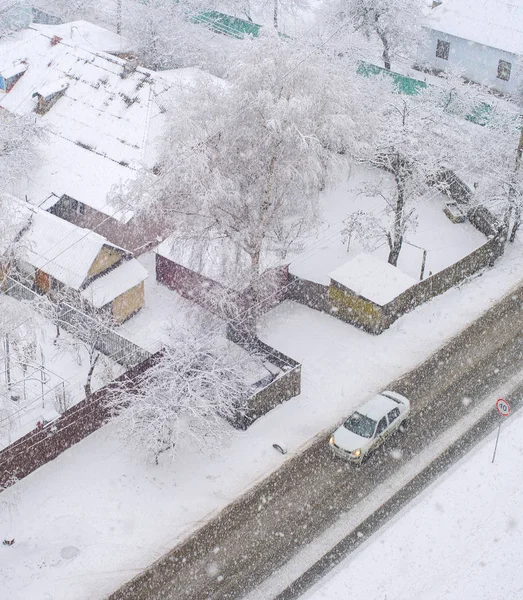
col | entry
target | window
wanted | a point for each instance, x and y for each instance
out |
(504, 68)
(360, 425)
(382, 425)
(443, 49)
(393, 415)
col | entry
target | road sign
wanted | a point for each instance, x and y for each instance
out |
(503, 407)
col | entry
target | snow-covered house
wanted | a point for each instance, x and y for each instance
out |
(484, 38)
(53, 254)
(103, 114)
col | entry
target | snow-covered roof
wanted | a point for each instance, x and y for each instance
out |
(57, 247)
(495, 23)
(52, 87)
(106, 288)
(218, 259)
(87, 35)
(9, 72)
(62, 171)
(100, 129)
(371, 278)
(61, 249)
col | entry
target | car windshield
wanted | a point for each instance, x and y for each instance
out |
(360, 425)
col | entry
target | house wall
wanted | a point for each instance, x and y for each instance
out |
(107, 257)
(479, 62)
(137, 236)
(128, 303)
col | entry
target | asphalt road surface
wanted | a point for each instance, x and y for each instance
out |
(261, 531)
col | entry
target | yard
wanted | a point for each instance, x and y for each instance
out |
(88, 521)
(444, 242)
(44, 377)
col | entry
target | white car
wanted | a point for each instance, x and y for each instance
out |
(368, 426)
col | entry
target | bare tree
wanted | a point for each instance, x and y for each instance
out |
(198, 381)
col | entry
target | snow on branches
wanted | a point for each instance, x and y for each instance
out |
(198, 382)
(245, 159)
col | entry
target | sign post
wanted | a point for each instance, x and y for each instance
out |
(503, 408)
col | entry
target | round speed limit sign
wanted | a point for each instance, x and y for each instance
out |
(503, 407)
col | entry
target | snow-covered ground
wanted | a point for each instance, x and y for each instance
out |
(460, 539)
(325, 250)
(65, 367)
(102, 499)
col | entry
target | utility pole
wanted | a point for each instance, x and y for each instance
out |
(119, 17)
(515, 207)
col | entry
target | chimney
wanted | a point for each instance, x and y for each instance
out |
(129, 68)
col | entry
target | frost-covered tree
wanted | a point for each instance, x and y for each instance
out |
(246, 160)
(410, 138)
(396, 23)
(163, 35)
(197, 383)
(14, 15)
(496, 163)
(89, 329)
(19, 149)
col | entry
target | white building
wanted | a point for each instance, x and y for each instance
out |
(484, 38)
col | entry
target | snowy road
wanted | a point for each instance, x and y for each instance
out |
(259, 533)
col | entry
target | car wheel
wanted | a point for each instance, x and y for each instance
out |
(404, 426)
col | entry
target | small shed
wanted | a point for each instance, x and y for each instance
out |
(54, 254)
(362, 288)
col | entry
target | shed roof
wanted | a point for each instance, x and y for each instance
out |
(371, 278)
(106, 288)
(495, 23)
(61, 249)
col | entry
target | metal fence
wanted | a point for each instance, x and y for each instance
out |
(83, 326)
(104, 339)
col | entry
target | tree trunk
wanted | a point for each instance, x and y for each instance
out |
(395, 252)
(386, 48)
(515, 224)
(396, 239)
(87, 386)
